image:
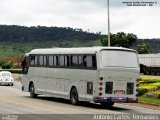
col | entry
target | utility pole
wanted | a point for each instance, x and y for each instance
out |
(109, 44)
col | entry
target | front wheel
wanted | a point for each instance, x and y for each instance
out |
(74, 96)
(32, 91)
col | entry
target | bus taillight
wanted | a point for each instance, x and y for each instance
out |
(101, 83)
(100, 86)
(100, 94)
(101, 78)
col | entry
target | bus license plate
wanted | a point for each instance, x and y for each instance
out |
(119, 91)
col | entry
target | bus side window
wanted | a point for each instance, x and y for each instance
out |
(50, 60)
(61, 60)
(94, 61)
(80, 61)
(56, 63)
(74, 61)
(85, 61)
(33, 61)
(41, 60)
(89, 61)
(67, 61)
(44, 60)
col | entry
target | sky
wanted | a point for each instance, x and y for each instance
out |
(89, 15)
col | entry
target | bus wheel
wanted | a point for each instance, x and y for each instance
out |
(158, 71)
(74, 96)
(107, 104)
(32, 91)
(148, 71)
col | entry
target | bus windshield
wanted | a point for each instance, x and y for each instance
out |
(115, 58)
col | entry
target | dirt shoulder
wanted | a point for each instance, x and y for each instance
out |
(145, 105)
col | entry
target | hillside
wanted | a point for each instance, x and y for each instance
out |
(16, 33)
(17, 40)
(154, 44)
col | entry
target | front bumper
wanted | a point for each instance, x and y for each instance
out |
(115, 99)
(6, 83)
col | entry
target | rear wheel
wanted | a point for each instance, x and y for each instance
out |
(153, 71)
(74, 96)
(148, 71)
(158, 71)
(32, 91)
(107, 104)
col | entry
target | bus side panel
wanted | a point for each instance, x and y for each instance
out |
(60, 81)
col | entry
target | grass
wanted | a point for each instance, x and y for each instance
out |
(149, 100)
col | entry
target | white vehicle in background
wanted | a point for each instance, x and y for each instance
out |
(105, 75)
(6, 78)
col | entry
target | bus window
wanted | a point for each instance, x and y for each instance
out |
(84, 61)
(50, 60)
(33, 60)
(80, 61)
(42, 60)
(89, 62)
(66, 61)
(56, 63)
(74, 61)
(94, 62)
(61, 60)
(45, 61)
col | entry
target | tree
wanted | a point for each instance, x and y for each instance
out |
(143, 48)
(120, 39)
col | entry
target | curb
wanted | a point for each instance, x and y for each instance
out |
(141, 102)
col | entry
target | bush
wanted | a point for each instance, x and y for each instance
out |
(149, 80)
(156, 84)
(142, 91)
(8, 65)
(153, 94)
(144, 88)
(1, 63)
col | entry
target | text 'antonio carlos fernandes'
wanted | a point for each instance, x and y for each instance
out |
(126, 117)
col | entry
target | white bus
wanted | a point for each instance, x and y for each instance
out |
(105, 75)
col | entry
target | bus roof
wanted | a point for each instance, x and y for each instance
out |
(78, 50)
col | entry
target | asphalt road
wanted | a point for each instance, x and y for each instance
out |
(14, 101)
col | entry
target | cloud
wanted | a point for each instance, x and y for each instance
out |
(85, 14)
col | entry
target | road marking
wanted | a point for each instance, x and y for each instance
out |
(32, 105)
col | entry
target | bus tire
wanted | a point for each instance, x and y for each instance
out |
(32, 91)
(74, 96)
(148, 71)
(107, 104)
(158, 71)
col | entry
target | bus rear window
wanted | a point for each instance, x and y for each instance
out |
(114, 58)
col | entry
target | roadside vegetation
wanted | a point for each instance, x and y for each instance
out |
(12, 64)
(149, 90)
